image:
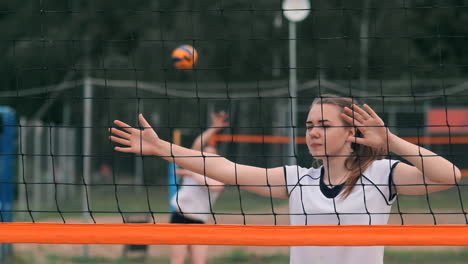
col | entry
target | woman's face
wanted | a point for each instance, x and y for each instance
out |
(326, 132)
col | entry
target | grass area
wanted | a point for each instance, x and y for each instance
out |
(451, 199)
(229, 201)
(240, 256)
(117, 199)
(426, 257)
(56, 259)
(111, 200)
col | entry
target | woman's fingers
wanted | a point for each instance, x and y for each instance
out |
(120, 140)
(219, 119)
(371, 111)
(128, 136)
(223, 115)
(359, 110)
(124, 126)
(357, 140)
(119, 133)
(143, 121)
(127, 150)
(356, 121)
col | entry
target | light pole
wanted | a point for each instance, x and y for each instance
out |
(295, 11)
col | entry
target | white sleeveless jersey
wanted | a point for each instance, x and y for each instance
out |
(311, 202)
(194, 199)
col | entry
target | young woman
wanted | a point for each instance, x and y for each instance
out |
(355, 185)
(194, 201)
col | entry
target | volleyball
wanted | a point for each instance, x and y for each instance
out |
(184, 57)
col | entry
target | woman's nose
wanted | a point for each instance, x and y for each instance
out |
(314, 132)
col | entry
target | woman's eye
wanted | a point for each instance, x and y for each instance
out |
(320, 126)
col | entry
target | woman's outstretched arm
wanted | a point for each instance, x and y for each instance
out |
(269, 182)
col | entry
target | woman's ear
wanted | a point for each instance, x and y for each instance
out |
(352, 132)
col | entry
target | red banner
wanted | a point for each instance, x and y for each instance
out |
(439, 120)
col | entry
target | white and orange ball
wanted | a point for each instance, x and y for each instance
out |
(184, 57)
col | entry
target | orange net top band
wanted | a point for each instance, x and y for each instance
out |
(255, 235)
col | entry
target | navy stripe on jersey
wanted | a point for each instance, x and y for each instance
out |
(391, 184)
(327, 191)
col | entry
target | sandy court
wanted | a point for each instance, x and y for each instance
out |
(163, 250)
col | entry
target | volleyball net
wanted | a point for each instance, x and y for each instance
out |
(65, 83)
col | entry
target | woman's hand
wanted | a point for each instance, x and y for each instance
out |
(219, 120)
(135, 140)
(375, 133)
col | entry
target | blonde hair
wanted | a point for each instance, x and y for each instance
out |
(362, 156)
